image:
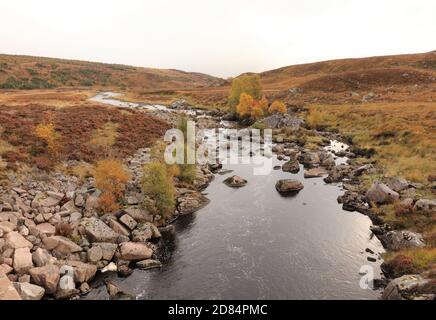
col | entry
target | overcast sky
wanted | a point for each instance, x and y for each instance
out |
(220, 37)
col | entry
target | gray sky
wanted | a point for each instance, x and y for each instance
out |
(222, 38)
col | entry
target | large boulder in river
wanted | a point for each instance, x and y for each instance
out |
(338, 173)
(281, 120)
(235, 182)
(404, 239)
(314, 173)
(291, 166)
(380, 193)
(289, 186)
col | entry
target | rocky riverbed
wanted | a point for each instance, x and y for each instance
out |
(49, 225)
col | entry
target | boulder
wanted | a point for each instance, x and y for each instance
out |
(7, 289)
(135, 251)
(289, 186)
(235, 182)
(410, 287)
(309, 159)
(5, 269)
(41, 257)
(107, 249)
(281, 120)
(425, 205)
(47, 277)
(46, 200)
(118, 227)
(83, 272)
(396, 183)
(398, 240)
(148, 264)
(22, 260)
(6, 226)
(314, 173)
(61, 245)
(190, 201)
(338, 173)
(29, 291)
(98, 231)
(380, 193)
(95, 254)
(139, 214)
(291, 166)
(46, 229)
(128, 221)
(16, 241)
(142, 233)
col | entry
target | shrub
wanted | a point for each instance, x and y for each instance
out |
(245, 104)
(277, 107)
(111, 177)
(47, 133)
(157, 183)
(107, 203)
(249, 84)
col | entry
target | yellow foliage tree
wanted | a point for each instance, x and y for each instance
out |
(249, 84)
(47, 133)
(277, 107)
(263, 105)
(111, 177)
(245, 105)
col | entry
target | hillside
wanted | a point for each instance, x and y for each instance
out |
(25, 72)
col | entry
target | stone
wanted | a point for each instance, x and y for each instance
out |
(112, 289)
(5, 269)
(61, 245)
(29, 291)
(24, 278)
(108, 249)
(425, 205)
(118, 228)
(47, 277)
(291, 166)
(7, 289)
(62, 294)
(132, 200)
(6, 226)
(314, 173)
(281, 120)
(396, 183)
(190, 201)
(338, 173)
(143, 233)
(155, 230)
(79, 201)
(16, 241)
(46, 229)
(398, 240)
(75, 217)
(235, 182)
(309, 159)
(95, 254)
(111, 267)
(45, 200)
(289, 186)
(128, 221)
(380, 193)
(84, 288)
(41, 257)
(139, 214)
(98, 231)
(83, 272)
(22, 260)
(408, 287)
(148, 264)
(135, 251)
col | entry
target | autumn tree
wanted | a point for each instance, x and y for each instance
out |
(249, 84)
(111, 178)
(157, 183)
(264, 105)
(277, 107)
(48, 133)
(245, 105)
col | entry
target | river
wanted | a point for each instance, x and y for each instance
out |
(252, 243)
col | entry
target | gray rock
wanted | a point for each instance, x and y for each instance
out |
(128, 221)
(29, 291)
(396, 183)
(425, 205)
(315, 173)
(398, 240)
(107, 249)
(291, 166)
(409, 287)
(282, 120)
(148, 264)
(98, 231)
(289, 186)
(95, 254)
(380, 193)
(22, 260)
(235, 182)
(135, 251)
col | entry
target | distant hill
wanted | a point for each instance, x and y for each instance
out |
(350, 74)
(26, 72)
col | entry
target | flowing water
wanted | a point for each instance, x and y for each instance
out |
(252, 243)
